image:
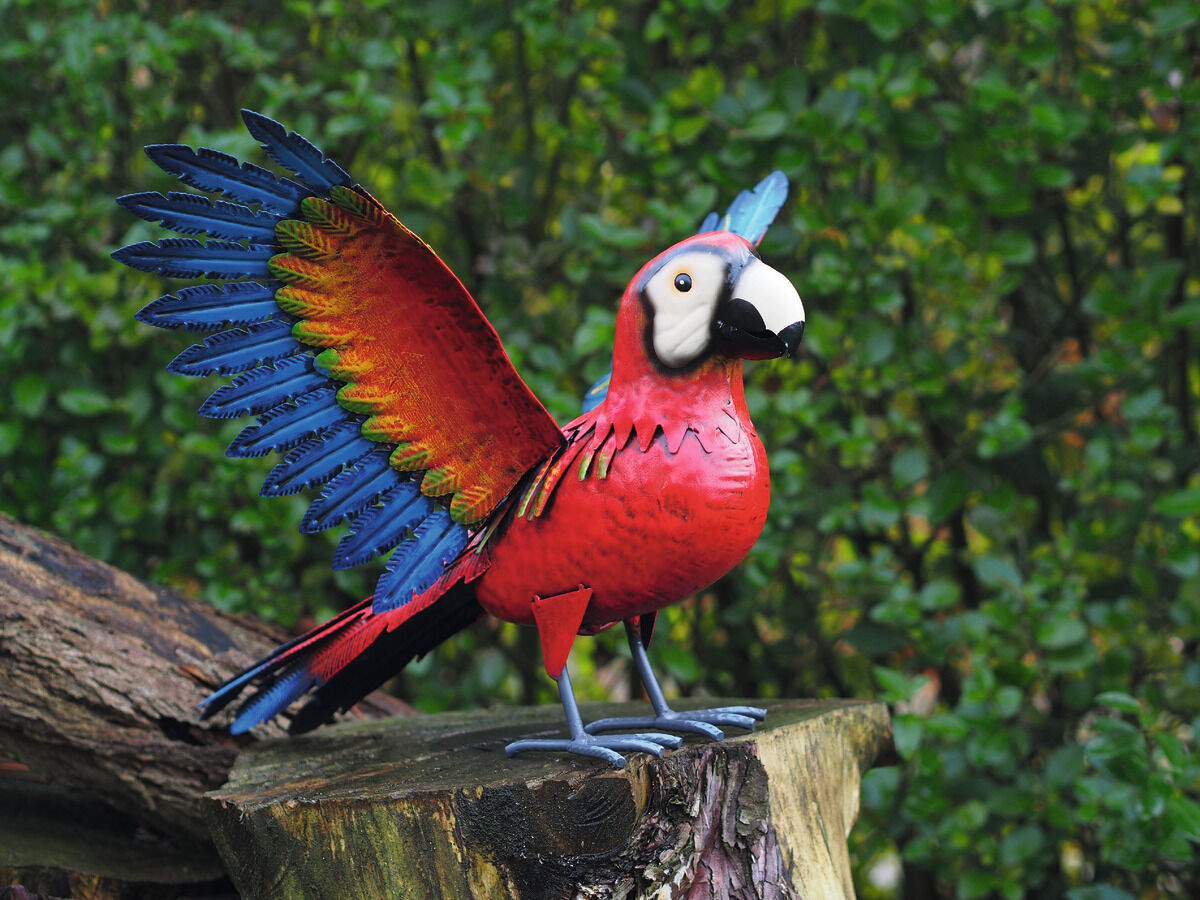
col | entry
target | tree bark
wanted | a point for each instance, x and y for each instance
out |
(430, 807)
(100, 675)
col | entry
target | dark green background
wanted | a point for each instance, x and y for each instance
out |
(985, 508)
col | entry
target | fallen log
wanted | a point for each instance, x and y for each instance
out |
(100, 674)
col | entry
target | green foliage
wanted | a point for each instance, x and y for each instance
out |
(986, 508)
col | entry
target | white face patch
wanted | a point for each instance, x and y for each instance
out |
(684, 295)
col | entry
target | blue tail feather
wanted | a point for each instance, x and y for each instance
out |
(419, 561)
(217, 172)
(193, 214)
(273, 700)
(380, 528)
(295, 153)
(309, 414)
(209, 307)
(230, 352)
(190, 258)
(316, 460)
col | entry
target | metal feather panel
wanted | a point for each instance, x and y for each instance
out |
(208, 307)
(307, 415)
(193, 214)
(419, 561)
(217, 172)
(264, 388)
(230, 352)
(295, 153)
(316, 460)
(190, 258)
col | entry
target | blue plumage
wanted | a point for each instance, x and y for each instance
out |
(264, 388)
(351, 491)
(273, 700)
(295, 153)
(418, 562)
(192, 214)
(208, 307)
(309, 414)
(219, 173)
(190, 258)
(379, 528)
(230, 352)
(752, 211)
(316, 460)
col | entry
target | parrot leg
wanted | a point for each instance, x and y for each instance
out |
(692, 721)
(584, 744)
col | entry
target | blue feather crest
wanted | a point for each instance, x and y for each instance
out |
(219, 173)
(753, 211)
(230, 352)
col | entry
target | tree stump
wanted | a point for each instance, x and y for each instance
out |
(430, 807)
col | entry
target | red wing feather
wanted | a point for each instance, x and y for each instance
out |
(418, 355)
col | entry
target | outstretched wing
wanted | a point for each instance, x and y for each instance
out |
(366, 361)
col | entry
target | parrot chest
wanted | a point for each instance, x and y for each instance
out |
(651, 529)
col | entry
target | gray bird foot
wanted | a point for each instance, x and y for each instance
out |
(604, 748)
(691, 721)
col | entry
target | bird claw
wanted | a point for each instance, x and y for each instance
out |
(604, 748)
(692, 721)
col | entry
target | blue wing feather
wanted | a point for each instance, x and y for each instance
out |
(264, 388)
(190, 258)
(208, 307)
(356, 488)
(418, 562)
(309, 414)
(193, 214)
(219, 173)
(230, 352)
(295, 153)
(316, 460)
(380, 528)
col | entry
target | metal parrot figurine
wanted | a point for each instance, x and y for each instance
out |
(375, 374)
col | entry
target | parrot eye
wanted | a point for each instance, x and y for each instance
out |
(683, 282)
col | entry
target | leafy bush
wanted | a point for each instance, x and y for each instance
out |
(986, 503)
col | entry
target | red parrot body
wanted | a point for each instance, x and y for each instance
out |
(371, 367)
(660, 491)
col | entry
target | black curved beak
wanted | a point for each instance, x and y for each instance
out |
(762, 317)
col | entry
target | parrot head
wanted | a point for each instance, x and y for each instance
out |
(711, 295)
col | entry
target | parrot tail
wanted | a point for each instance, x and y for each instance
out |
(344, 659)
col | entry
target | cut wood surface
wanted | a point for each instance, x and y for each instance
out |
(100, 674)
(429, 806)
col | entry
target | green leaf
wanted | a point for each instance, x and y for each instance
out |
(84, 401)
(1060, 632)
(1119, 701)
(1184, 502)
(29, 394)
(766, 125)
